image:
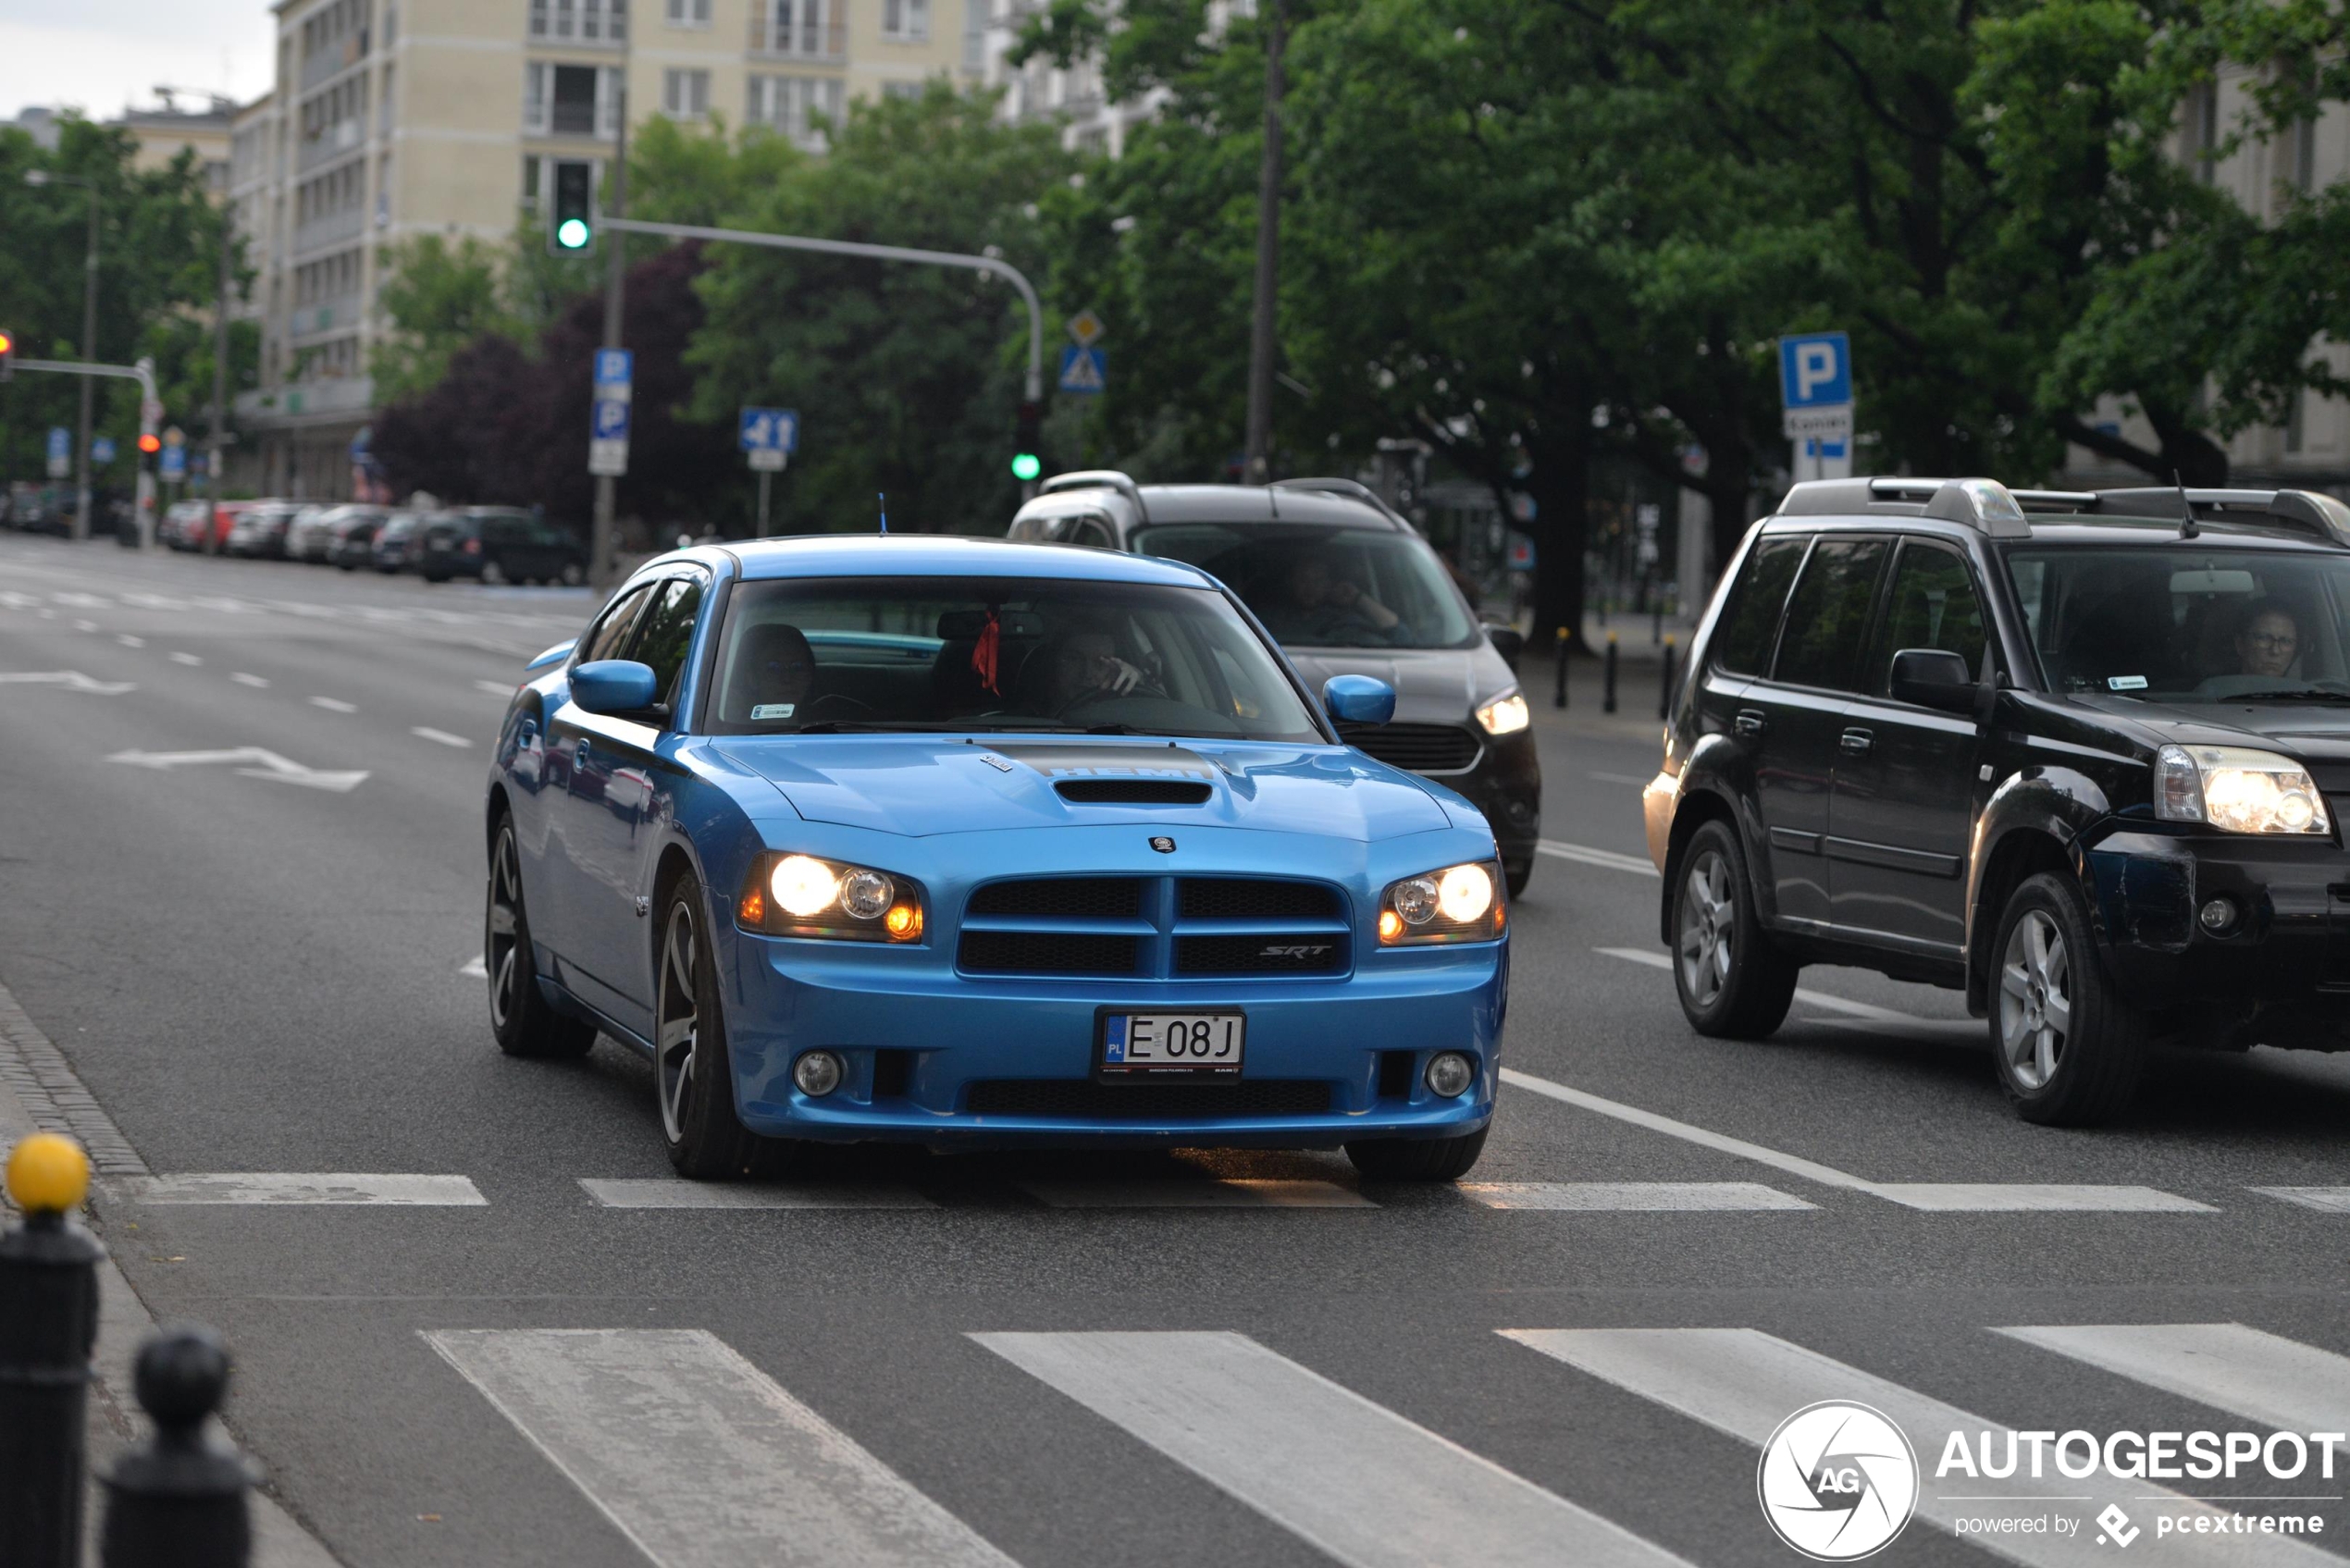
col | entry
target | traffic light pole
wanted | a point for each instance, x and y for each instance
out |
(144, 374)
(603, 553)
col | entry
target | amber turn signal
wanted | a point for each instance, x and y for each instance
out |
(904, 921)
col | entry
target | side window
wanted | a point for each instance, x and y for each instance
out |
(1088, 531)
(611, 634)
(1933, 605)
(1829, 614)
(1750, 625)
(664, 633)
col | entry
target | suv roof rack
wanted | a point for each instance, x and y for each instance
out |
(2004, 513)
(1097, 478)
(1352, 489)
(1979, 503)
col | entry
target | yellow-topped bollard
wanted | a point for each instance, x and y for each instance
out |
(48, 1174)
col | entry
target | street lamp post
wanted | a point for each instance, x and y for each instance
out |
(89, 338)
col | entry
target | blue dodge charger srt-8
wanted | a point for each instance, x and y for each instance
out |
(961, 842)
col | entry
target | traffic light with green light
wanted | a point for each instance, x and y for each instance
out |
(571, 227)
(1027, 448)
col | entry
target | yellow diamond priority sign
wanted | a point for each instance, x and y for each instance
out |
(1085, 326)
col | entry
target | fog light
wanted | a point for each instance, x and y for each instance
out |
(1450, 1074)
(817, 1073)
(2218, 916)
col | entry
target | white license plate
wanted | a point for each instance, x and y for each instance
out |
(1207, 1044)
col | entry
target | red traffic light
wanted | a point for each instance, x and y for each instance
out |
(150, 443)
(7, 342)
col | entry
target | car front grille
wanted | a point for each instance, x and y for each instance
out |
(1419, 749)
(1155, 928)
(1078, 1097)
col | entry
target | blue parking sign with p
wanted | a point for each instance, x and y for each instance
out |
(1815, 370)
(614, 366)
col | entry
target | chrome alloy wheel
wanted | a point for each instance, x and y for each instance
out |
(1707, 918)
(503, 954)
(2036, 999)
(677, 1025)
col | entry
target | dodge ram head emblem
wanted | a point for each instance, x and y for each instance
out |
(1165, 845)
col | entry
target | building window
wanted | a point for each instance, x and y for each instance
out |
(689, 13)
(2203, 130)
(808, 28)
(905, 21)
(588, 21)
(798, 107)
(974, 35)
(563, 100)
(901, 91)
(684, 94)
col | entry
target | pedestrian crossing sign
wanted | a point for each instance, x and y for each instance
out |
(1085, 372)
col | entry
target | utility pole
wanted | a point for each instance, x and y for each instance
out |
(1268, 240)
(601, 560)
(217, 428)
(89, 352)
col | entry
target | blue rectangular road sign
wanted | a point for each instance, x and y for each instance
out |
(173, 464)
(102, 450)
(1815, 370)
(768, 429)
(1085, 372)
(610, 423)
(615, 368)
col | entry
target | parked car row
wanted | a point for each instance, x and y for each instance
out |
(491, 544)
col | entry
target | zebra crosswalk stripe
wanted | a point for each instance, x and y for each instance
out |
(700, 1459)
(1744, 1382)
(1631, 1197)
(1239, 1192)
(1359, 1482)
(2264, 1378)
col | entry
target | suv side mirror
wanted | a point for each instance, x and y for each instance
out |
(618, 686)
(1353, 699)
(1934, 678)
(1508, 641)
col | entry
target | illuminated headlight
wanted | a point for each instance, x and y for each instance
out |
(1456, 904)
(2236, 789)
(1506, 715)
(803, 895)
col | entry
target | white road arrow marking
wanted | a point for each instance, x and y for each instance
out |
(258, 762)
(72, 680)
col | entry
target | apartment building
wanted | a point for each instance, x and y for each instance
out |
(394, 118)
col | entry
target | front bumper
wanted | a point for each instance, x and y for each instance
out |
(1506, 785)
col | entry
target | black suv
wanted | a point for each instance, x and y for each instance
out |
(2084, 755)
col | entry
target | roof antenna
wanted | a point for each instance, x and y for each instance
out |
(2187, 529)
(884, 512)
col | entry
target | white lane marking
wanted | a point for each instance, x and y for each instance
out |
(72, 680)
(2034, 1197)
(1744, 1382)
(1179, 1193)
(244, 680)
(188, 659)
(155, 601)
(1631, 1197)
(304, 1187)
(85, 625)
(1637, 865)
(1616, 778)
(439, 737)
(1656, 960)
(1952, 1197)
(334, 705)
(2264, 1378)
(1367, 1487)
(700, 1459)
(81, 600)
(127, 640)
(476, 967)
(675, 1192)
(260, 763)
(497, 688)
(2325, 1200)
(16, 600)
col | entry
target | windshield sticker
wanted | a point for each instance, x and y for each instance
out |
(2113, 682)
(784, 710)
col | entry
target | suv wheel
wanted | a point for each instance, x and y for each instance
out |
(1733, 980)
(2069, 1048)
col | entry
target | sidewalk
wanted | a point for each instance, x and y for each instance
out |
(1637, 684)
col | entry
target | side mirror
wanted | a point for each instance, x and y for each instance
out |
(1356, 699)
(1934, 678)
(1508, 641)
(614, 686)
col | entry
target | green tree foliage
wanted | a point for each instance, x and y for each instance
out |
(441, 297)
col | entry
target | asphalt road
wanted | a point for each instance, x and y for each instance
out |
(257, 969)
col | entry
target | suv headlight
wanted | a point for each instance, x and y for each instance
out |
(788, 895)
(2236, 789)
(1506, 715)
(1457, 904)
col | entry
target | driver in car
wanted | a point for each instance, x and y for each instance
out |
(2267, 642)
(1325, 608)
(1085, 666)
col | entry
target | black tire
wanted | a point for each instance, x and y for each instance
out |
(1417, 1159)
(693, 1074)
(1734, 982)
(2067, 1047)
(521, 1019)
(1515, 874)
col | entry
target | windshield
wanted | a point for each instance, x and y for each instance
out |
(811, 656)
(1326, 587)
(2192, 624)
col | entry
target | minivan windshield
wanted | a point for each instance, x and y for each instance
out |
(2189, 623)
(1323, 586)
(834, 655)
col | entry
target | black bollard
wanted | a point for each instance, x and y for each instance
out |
(1665, 687)
(179, 1499)
(1607, 704)
(48, 1325)
(1558, 693)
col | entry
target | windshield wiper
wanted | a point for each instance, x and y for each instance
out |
(2312, 696)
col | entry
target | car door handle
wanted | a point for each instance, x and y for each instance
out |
(1858, 742)
(1751, 721)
